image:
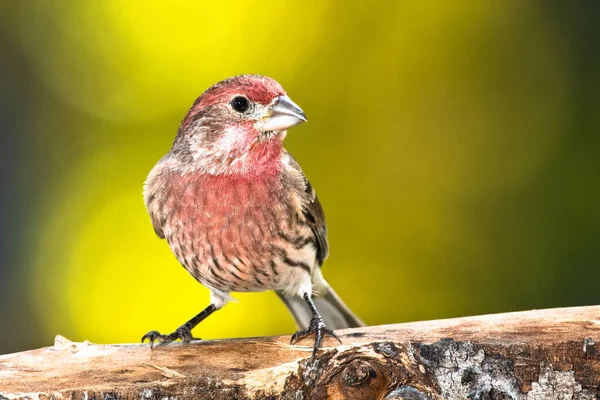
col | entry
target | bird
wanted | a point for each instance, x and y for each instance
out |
(238, 212)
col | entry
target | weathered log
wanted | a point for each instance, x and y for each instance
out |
(547, 354)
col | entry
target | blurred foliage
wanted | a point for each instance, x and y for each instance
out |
(454, 147)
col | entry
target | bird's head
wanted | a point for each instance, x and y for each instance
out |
(237, 126)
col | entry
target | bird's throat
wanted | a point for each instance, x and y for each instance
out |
(260, 158)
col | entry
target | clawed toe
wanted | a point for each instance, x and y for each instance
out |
(156, 336)
(182, 333)
(150, 336)
(185, 334)
(320, 330)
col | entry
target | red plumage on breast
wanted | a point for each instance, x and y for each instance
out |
(228, 231)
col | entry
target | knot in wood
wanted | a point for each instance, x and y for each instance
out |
(358, 373)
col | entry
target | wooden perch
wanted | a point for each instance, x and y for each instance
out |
(547, 354)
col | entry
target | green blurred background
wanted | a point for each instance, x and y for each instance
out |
(455, 147)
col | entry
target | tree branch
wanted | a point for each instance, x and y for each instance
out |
(547, 354)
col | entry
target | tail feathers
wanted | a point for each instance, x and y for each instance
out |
(335, 313)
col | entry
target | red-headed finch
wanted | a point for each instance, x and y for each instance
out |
(237, 210)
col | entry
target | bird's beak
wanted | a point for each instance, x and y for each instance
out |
(284, 113)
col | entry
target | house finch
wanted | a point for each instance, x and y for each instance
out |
(237, 210)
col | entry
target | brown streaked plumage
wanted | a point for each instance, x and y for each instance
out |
(237, 210)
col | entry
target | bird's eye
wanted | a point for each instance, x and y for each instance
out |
(240, 104)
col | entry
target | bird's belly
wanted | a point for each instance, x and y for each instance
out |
(242, 246)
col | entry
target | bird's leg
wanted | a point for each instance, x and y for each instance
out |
(184, 332)
(316, 326)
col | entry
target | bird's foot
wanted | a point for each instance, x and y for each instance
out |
(182, 333)
(318, 327)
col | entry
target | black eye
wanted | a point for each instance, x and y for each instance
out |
(240, 104)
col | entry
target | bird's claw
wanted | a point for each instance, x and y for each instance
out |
(156, 336)
(318, 327)
(182, 333)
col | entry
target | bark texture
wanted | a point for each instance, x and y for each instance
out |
(546, 354)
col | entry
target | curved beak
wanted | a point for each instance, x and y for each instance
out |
(284, 113)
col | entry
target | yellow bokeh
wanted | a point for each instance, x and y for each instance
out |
(421, 116)
(131, 61)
